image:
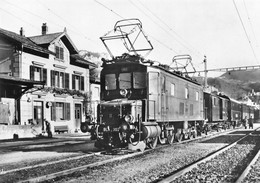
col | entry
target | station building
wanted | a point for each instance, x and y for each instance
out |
(42, 78)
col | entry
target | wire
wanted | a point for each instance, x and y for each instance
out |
(250, 22)
(109, 9)
(199, 54)
(19, 18)
(245, 30)
(155, 23)
(79, 33)
(124, 18)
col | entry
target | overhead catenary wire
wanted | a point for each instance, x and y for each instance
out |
(245, 30)
(40, 17)
(251, 25)
(171, 29)
(65, 21)
(111, 10)
(19, 18)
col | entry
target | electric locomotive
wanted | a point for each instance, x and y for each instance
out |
(143, 103)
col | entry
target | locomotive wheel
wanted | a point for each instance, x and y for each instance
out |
(152, 143)
(179, 137)
(195, 134)
(191, 135)
(170, 136)
(162, 140)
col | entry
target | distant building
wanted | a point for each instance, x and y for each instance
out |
(59, 78)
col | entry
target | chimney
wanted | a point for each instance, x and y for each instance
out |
(44, 29)
(21, 32)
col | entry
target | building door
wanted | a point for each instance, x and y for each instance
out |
(38, 113)
(77, 115)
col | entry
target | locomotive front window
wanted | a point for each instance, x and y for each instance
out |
(125, 80)
(139, 80)
(110, 82)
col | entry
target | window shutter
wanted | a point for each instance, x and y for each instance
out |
(67, 111)
(82, 83)
(61, 53)
(73, 81)
(31, 72)
(57, 51)
(53, 111)
(67, 80)
(44, 75)
(52, 78)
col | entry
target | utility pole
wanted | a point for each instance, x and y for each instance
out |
(206, 71)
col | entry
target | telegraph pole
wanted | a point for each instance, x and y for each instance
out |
(206, 71)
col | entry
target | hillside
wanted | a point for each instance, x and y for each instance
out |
(236, 84)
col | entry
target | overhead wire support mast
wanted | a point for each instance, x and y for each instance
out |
(227, 69)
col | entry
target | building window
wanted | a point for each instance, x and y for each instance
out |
(59, 79)
(197, 96)
(191, 109)
(59, 52)
(181, 109)
(186, 93)
(172, 89)
(56, 79)
(60, 111)
(78, 82)
(38, 73)
(95, 93)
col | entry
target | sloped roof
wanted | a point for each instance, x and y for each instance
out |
(24, 41)
(81, 60)
(45, 39)
(49, 38)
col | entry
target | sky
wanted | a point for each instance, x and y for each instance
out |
(225, 31)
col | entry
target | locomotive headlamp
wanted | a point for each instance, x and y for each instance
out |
(124, 127)
(123, 92)
(129, 118)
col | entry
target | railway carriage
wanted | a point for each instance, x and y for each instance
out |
(235, 112)
(245, 111)
(217, 113)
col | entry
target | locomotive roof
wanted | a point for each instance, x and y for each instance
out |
(136, 59)
(176, 73)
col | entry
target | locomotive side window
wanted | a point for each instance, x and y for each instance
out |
(172, 89)
(197, 96)
(186, 93)
(139, 80)
(125, 80)
(110, 82)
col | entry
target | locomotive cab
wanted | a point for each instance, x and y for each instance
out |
(123, 112)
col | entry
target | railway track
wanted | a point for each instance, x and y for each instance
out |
(212, 168)
(45, 171)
